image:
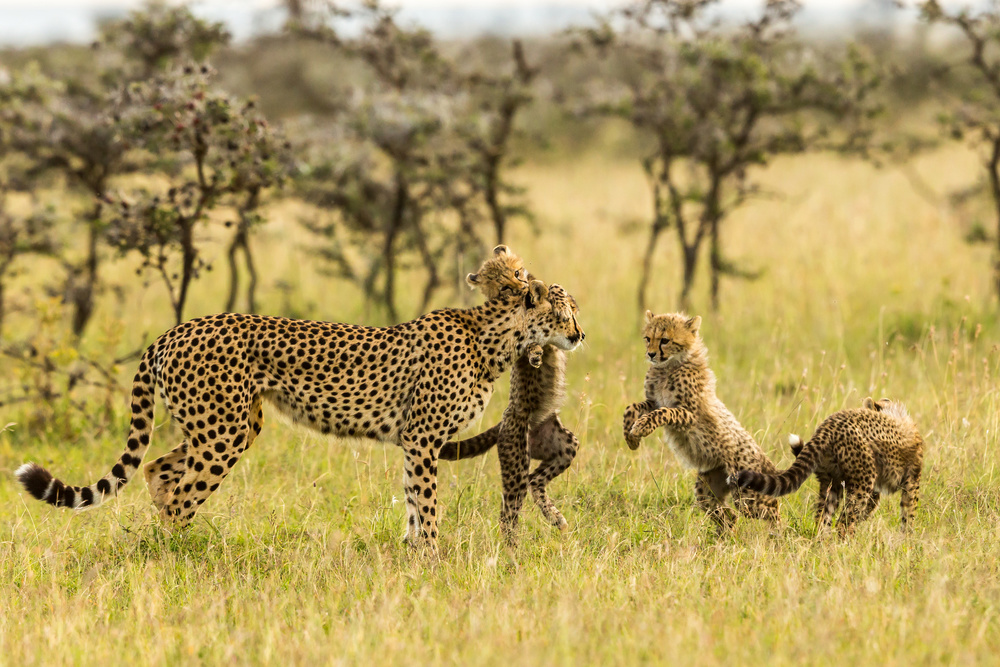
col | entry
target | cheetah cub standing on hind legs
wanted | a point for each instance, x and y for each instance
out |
(537, 390)
(702, 432)
(859, 453)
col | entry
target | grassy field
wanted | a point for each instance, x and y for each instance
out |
(867, 290)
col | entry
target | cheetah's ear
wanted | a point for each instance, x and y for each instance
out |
(869, 404)
(649, 316)
(472, 280)
(537, 292)
(694, 324)
(501, 250)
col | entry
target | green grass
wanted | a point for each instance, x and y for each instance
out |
(298, 557)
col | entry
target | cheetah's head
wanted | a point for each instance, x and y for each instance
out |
(552, 313)
(670, 335)
(504, 272)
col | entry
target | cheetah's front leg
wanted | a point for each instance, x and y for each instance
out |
(420, 486)
(910, 498)
(661, 417)
(632, 414)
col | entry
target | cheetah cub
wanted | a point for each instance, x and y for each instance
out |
(504, 273)
(859, 453)
(702, 432)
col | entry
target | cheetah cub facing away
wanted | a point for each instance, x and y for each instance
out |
(859, 453)
(702, 432)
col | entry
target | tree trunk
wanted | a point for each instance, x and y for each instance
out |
(237, 244)
(3, 304)
(187, 268)
(715, 254)
(647, 263)
(994, 172)
(493, 200)
(690, 264)
(83, 301)
(389, 247)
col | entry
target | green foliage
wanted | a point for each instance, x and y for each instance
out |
(975, 115)
(159, 35)
(216, 151)
(715, 102)
(413, 165)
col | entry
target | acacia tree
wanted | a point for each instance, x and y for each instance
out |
(217, 151)
(499, 97)
(975, 116)
(69, 125)
(714, 102)
(378, 168)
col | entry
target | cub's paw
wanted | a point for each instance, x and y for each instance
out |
(535, 356)
(632, 441)
(642, 427)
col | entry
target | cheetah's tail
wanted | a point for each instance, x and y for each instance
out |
(472, 447)
(40, 483)
(806, 458)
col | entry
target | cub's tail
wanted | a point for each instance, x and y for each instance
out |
(806, 459)
(475, 446)
(40, 483)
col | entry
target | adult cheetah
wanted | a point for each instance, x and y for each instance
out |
(702, 432)
(415, 384)
(859, 454)
(537, 391)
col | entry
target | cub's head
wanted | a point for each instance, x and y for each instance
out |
(669, 336)
(881, 405)
(551, 314)
(501, 273)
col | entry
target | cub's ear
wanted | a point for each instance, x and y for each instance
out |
(537, 292)
(501, 250)
(694, 323)
(472, 280)
(649, 316)
(868, 404)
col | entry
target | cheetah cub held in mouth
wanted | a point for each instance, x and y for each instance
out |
(702, 432)
(537, 391)
(860, 454)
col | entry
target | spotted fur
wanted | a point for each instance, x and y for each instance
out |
(702, 432)
(859, 454)
(415, 384)
(537, 391)
(502, 273)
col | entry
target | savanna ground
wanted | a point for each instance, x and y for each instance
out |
(867, 290)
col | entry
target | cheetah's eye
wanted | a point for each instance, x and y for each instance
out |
(646, 338)
(664, 341)
(517, 274)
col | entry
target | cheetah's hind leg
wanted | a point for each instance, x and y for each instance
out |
(710, 493)
(556, 447)
(163, 474)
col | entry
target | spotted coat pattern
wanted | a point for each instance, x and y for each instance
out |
(416, 384)
(857, 454)
(537, 391)
(701, 431)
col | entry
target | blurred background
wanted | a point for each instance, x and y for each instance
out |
(828, 163)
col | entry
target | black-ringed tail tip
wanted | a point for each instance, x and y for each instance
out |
(40, 483)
